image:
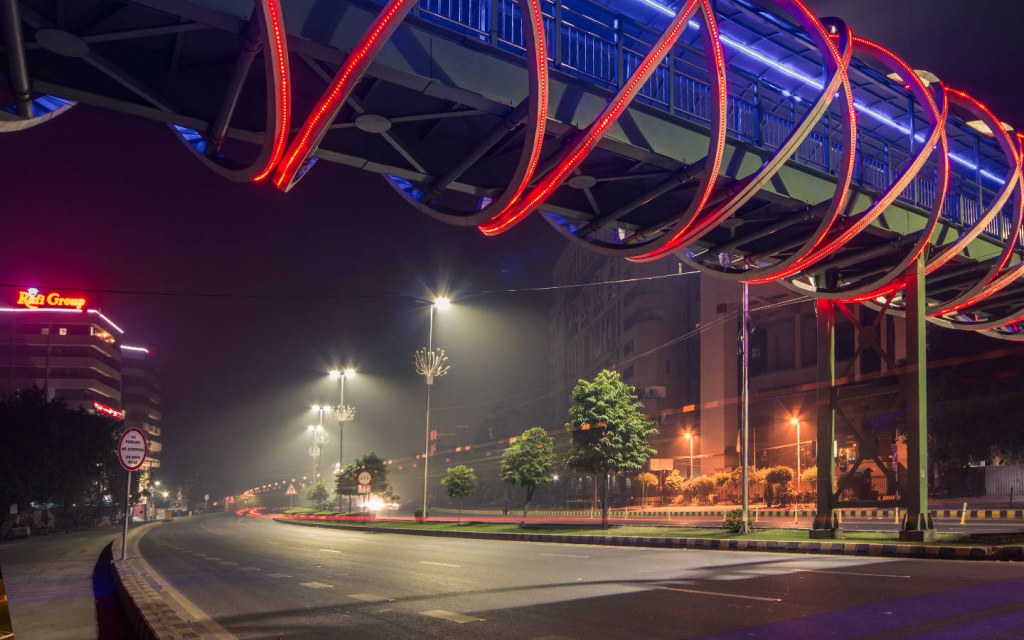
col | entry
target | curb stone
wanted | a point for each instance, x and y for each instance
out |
(884, 550)
(148, 615)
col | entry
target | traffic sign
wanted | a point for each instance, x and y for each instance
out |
(364, 488)
(291, 490)
(131, 449)
(364, 477)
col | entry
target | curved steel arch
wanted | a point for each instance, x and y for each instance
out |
(826, 234)
(266, 30)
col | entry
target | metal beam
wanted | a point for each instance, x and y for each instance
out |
(917, 522)
(826, 522)
(233, 91)
(21, 85)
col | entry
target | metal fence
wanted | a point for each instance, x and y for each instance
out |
(588, 41)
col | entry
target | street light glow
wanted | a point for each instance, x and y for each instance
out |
(315, 407)
(350, 373)
(335, 374)
(794, 421)
(442, 303)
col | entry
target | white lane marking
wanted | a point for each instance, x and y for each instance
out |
(450, 615)
(7, 636)
(851, 573)
(228, 563)
(554, 638)
(440, 564)
(250, 569)
(722, 595)
(278, 575)
(369, 597)
(562, 555)
(317, 585)
(330, 551)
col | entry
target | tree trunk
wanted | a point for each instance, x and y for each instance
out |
(526, 505)
(604, 501)
(458, 520)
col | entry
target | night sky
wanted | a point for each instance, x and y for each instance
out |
(329, 274)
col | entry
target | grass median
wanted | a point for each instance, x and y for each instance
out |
(654, 531)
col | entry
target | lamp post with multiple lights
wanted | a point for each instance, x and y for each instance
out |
(319, 440)
(430, 363)
(342, 413)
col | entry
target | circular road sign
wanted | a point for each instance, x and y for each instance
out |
(131, 449)
(364, 477)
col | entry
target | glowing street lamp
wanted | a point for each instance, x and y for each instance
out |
(430, 363)
(795, 421)
(689, 436)
(342, 413)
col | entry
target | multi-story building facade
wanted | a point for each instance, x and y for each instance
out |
(140, 382)
(676, 339)
(644, 324)
(54, 341)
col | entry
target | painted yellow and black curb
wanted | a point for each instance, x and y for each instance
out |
(831, 547)
(886, 514)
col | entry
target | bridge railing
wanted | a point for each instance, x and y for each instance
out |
(591, 42)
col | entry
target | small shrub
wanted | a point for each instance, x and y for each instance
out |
(734, 521)
(419, 513)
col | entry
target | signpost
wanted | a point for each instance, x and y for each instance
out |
(131, 452)
(291, 492)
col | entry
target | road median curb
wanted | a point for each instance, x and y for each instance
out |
(885, 550)
(150, 617)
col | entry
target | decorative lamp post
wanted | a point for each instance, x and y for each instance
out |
(430, 363)
(342, 413)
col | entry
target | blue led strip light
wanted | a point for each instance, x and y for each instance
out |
(796, 75)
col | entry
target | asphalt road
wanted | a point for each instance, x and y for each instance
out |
(255, 578)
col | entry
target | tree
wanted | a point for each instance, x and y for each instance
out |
(318, 495)
(459, 483)
(529, 462)
(55, 455)
(609, 431)
(647, 480)
(675, 482)
(346, 483)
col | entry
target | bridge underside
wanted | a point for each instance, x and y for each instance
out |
(916, 213)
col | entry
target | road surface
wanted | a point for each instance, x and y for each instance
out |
(254, 578)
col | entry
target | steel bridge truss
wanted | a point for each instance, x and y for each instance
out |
(748, 137)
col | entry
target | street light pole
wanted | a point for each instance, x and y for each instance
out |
(689, 436)
(796, 422)
(342, 413)
(430, 364)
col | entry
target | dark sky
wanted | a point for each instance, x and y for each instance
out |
(99, 201)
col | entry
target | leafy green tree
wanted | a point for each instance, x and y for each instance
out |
(701, 488)
(648, 481)
(609, 431)
(675, 482)
(459, 483)
(52, 454)
(346, 483)
(318, 495)
(529, 462)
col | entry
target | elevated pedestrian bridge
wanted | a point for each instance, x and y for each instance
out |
(750, 138)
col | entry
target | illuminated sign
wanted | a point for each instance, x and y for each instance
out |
(35, 299)
(110, 412)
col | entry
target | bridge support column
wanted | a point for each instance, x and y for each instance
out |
(826, 523)
(20, 82)
(917, 522)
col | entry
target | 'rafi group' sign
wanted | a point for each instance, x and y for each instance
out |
(36, 299)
